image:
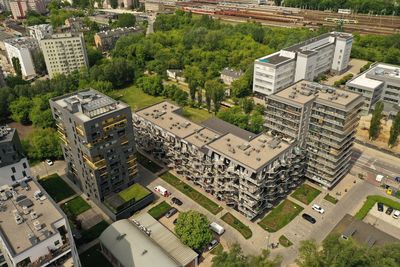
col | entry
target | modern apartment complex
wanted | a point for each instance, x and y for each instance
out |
(64, 53)
(303, 61)
(106, 40)
(40, 31)
(13, 164)
(324, 121)
(22, 48)
(33, 231)
(249, 172)
(97, 141)
(380, 82)
(20, 8)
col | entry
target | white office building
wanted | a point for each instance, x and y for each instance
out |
(41, 31)
(21, 48)
(64, 53)
(329, 52)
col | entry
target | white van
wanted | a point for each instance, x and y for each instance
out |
(217, 228)
(162, 190)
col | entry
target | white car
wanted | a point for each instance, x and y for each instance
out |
(318, 208)
(396, 214)
(49, 162)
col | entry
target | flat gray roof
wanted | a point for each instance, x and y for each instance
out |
(224, 127)
(6, 133)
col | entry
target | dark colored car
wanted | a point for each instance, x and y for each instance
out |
(309, 218)
(174, 222)
(176, 201)
(212, 244)
(389, 210)
(380, 206)
(171, 212)
(397, 179)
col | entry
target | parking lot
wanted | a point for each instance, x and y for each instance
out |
(383, 221)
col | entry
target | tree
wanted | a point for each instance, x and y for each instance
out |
(126, 20)
(34, 18)
(376, 121)
(151, 85)
(215, 92)
(40, 113)
(94, 55)
(247, 105)
(39, 62)
(394, 130)
(256, 123)
(194, 78)
(241, 88)
(17, 66)
(43, 144)
(20, 110)
(114, 3)
(193, 229)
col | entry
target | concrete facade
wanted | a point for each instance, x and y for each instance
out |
(329, 52)
(20, 8)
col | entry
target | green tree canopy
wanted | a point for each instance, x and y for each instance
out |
(20, 110)
(375, 126)
(151, 85)
(17, 66)
(126, 20)
(43, 144)
(394, 130)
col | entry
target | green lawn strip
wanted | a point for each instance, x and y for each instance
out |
(305, 193)
(280, 216)
(284, 241)
(56, 187)
(135, 191)
(192, 193)
(196, 115)
(217, 250)
(238, 225)
(370, 202)
(159, 210)
(331, 199)
(148, 164)
(75, 206)
(94, 257)
(94, 232)
(135, 97)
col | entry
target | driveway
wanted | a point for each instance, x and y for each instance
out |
(354, 68)
(43, 169)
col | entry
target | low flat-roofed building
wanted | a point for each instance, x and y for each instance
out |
(33, 230)
(143, 241)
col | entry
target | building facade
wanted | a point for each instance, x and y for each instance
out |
(228, 76)
(97, 142)
(64, 53)
(22, 48)
(329, 52)
(20, 8)
(41, 31)
(380, 82)
(323, 119)
(106, 40)
(34, 231)
(250, 173)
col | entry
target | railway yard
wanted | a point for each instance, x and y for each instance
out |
(294, 17)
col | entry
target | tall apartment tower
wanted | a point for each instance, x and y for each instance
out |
(64, 53)
(13, 164)
(97, 141)
(20, 8)
(323, 119)
(328, 52)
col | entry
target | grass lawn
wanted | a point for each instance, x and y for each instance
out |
(284, 241)
(331, 199)
(159, 210)
(135, 191)
(217, 250)
(238, 225)
(75, 206)
(56, 187)
(305, 193)
(93, 257)
(370, 202)
(280, 216)
(94, 232)
(135, 97)
(196, 115)
(192, 193)
(148, 164)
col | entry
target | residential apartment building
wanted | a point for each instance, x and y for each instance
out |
(323, 119)
(106, 40)
(40, 31)
(22, 49)
(14, 165)
(97, 142)
(328, 52)
(228, 76)
(5, 5)
(33, 231)
(120, 4)
(380, 82)
(20, 8)
(249, 172)
(64, 53)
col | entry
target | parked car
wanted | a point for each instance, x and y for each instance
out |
(171, 212)
(380, 206)
(217, 228)
(389, 210)
(174, 222)
(176, 201)
(49, 162)
(318, 208)
(309, 218)
(212, 244)
(396, 214)
(397, 179)
(162, 190)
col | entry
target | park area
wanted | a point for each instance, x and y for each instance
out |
(238, 225)
(75, 206)
(159, 210)
(370, 202)
(56, 187)
(305, 193)
(280, 216)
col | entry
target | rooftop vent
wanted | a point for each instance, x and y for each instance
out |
(121, 236)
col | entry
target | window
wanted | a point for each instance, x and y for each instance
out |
(24, 173)
(56, 243)
(13, 169)
(24, 165)
(13, 178)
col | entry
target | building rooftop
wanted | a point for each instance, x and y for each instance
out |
(202, 137)
(41, 27)
(223, 127)
(88, 104)
(274, 59)
(384, 71)
(6, 133)
(144, 241)
(232, 73)
(23, 42)
(301, 47)
(5, 35)
(26, 217)
(117, 31)
(363, 81)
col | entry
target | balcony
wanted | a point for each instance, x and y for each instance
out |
(97, 165)
(117, 122)
(52, 256)
(79, 130)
